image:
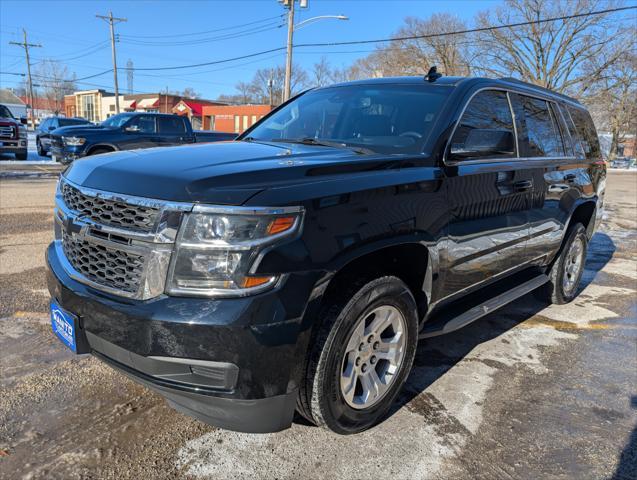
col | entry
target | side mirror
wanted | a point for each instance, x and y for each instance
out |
(132, 128)
(482, 143)
(23, 120)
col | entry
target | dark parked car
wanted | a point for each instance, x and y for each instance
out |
(297, 268)
(126, 131)
(13, 134)
(43, 132)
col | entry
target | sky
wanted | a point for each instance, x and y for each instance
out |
(162, 33)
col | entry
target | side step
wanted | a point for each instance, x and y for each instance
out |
(441, 326)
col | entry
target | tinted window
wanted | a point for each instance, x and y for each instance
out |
(171, 125)
(385, 118)
(586, 133)
(542, 132)
(65, 122)
(485, 129)
(5, 112)
(146, 123)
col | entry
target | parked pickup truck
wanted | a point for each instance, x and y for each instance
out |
(127, 131)
(13, 134)
(297, 268)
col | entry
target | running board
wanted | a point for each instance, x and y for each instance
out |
(440, 326)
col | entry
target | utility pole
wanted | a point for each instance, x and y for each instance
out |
(25, 44)
(112, 21)
(288, 57)
(270, 86)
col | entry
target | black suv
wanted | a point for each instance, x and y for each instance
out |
(297, 268)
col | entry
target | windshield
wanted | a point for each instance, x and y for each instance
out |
(390, 118)
(117, 120)
(5, 112)
(65, 122)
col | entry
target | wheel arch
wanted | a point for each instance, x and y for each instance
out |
(101, 146)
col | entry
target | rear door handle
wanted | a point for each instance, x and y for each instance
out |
(523, 185)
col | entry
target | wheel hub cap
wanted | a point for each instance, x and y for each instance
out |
(573, 266)
(373, 357)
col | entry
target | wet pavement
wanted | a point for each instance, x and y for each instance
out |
(529, 391)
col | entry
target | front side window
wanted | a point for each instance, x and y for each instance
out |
(5, 112)
(145, 124)
(485, 130)
(171, 125)
(542, 132)
(384, 118)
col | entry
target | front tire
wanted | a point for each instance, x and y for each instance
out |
(566, 273)
(361, 356)
(21, 155)
(41, 151)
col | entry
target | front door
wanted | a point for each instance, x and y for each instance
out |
(489, 195)
(140, 132)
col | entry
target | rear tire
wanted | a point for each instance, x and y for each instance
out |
(568, 267)
(361, 356)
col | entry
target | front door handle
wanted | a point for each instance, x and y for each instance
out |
(523, 185)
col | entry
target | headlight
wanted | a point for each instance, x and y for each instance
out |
(22, 132)
(73, 141)
(215, 252)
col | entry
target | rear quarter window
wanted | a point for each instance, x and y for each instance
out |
(586, 133)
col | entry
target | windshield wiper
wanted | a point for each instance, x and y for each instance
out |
(324, 143)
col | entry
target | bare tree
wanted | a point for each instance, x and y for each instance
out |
(56, 81)
(550, 54)
(613, 99)
(260, 84)
(321, 74)
(450, 53)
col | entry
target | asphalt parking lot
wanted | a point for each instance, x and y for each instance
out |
(529, 391)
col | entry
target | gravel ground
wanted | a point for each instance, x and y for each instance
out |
(527, 392)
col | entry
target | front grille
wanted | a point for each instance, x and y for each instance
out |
(110, 212)
(7, 132)
(107, 266)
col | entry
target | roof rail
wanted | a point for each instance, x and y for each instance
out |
(532, 86)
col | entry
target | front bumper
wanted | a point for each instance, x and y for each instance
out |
(13, 146)
(66, 154)
(233, 363)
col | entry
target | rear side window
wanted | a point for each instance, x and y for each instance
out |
(172, 125)
(585, 135)
(485, 129)
(542, 132)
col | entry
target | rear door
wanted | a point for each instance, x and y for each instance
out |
(545, 143)
(140, 132)
(173, 131)
(488, 195)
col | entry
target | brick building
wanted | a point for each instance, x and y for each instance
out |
(193, 109)
(232, 118)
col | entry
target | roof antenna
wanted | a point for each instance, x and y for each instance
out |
(432, 74)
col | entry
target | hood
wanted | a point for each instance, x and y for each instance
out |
(9, 121)
(222, 173)
(79, 130)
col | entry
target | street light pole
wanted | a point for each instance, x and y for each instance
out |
(287, 87)
(288, 58)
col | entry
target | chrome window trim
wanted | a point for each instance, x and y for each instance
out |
(508, 91)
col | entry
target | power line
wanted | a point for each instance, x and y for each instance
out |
(392, 39)
(207, 31)
(252, 31)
